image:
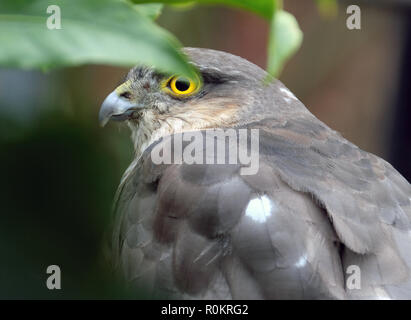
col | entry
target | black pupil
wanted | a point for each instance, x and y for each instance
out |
(182, 84)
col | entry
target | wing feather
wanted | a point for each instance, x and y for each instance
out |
(317, 205)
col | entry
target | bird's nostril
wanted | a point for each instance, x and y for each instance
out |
(126, 95)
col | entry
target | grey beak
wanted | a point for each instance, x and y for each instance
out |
(116, 108)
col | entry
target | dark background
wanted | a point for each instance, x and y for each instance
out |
(59, 170)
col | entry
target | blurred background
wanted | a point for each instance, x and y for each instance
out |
(60, 170)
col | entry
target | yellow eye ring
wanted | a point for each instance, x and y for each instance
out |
(181, 86)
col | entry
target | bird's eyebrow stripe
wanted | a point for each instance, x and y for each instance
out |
(214, 76)
(209, 74)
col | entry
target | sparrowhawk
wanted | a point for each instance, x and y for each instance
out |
(317, 211)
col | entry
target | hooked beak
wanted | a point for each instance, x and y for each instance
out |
(116, 108)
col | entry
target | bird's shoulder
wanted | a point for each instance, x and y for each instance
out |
(358, 189)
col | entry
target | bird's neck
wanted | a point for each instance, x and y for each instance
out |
(153, 129)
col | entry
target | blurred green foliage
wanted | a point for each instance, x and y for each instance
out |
(284, 41)
(92, 31)
(328, 8)
(264, 8)
(58, 178)
(118, 32)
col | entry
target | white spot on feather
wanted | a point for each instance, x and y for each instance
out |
(259, 209)
(301, 262)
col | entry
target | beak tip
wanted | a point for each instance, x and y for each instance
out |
(107, 108)
(115, 108)
(103, 118)
(102, 121)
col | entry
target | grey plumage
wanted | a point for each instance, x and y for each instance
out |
(317, 205)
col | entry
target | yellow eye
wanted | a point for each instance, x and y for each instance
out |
(181, 86)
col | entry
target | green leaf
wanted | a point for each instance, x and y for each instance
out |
(285, 39)
(150, 10)
(118, 32)
(285, 34)
(327, 8)
(93, 31)
(264, 8)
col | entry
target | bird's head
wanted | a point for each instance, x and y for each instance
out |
(156, 104)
